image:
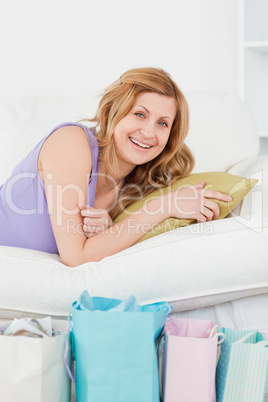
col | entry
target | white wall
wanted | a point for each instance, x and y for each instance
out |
(78, 47)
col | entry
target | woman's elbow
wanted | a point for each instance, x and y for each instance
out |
(74, 261)
(91, 250)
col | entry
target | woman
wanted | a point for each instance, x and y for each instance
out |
(142, 122)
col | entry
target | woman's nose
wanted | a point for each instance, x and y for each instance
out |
(147, 131)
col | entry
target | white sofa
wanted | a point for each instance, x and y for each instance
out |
(216, 270)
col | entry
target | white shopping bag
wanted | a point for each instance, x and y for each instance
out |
(33, 369)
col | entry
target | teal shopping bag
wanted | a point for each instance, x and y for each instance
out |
(242, 369)
(114, 349)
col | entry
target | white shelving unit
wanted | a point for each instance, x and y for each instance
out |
(254, 52)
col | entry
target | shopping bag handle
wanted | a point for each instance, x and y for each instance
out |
(213, 335)
(159, 344)
(262, 343)
(69, 371)
(247, 336)
(70, 322)
(72, 334)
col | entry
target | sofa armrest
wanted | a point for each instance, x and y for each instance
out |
(250, 167)
(256, 201)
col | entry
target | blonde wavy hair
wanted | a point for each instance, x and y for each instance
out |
(175, 161)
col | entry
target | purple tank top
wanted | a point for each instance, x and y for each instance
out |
(24, 218)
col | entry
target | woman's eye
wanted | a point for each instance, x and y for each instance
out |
(163, 124)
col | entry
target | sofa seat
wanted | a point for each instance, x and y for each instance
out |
(194, 266)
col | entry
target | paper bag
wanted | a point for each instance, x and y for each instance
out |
(190, 360)
(33, 370)
(115, 351)
(242, 370)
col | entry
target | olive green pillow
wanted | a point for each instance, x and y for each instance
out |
(237, 187)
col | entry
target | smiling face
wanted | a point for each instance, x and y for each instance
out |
(143, 133)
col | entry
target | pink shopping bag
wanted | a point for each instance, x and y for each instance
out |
(190, 360)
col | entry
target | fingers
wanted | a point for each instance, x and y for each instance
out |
(97, 224)
(206, 215)
(93, 212)
(217, 195)
(95, 221)
(94, 229)
(87, 210)
(201, 219)
(213, 193)
(192, 202)
(200, 185)
(81, 205)
(212, 210)
(209, 211)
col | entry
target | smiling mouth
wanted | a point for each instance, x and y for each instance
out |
(140, 144)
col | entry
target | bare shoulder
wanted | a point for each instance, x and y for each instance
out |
(68, 143)
(66, 136)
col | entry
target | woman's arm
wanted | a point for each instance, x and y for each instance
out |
(124, 234)
(66, 163)
(191, 202)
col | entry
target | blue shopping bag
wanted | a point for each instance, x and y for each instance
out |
(114, 349)
(242, 368)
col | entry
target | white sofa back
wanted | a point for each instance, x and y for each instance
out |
(222, 129)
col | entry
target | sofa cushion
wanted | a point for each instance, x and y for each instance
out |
(237, 187)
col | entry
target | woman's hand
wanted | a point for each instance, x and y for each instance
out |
(95, 220)
(192, 202)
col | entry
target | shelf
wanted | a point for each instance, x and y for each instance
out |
(261, 46)
(254, 63)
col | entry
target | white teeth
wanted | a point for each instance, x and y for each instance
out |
(139, 143)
